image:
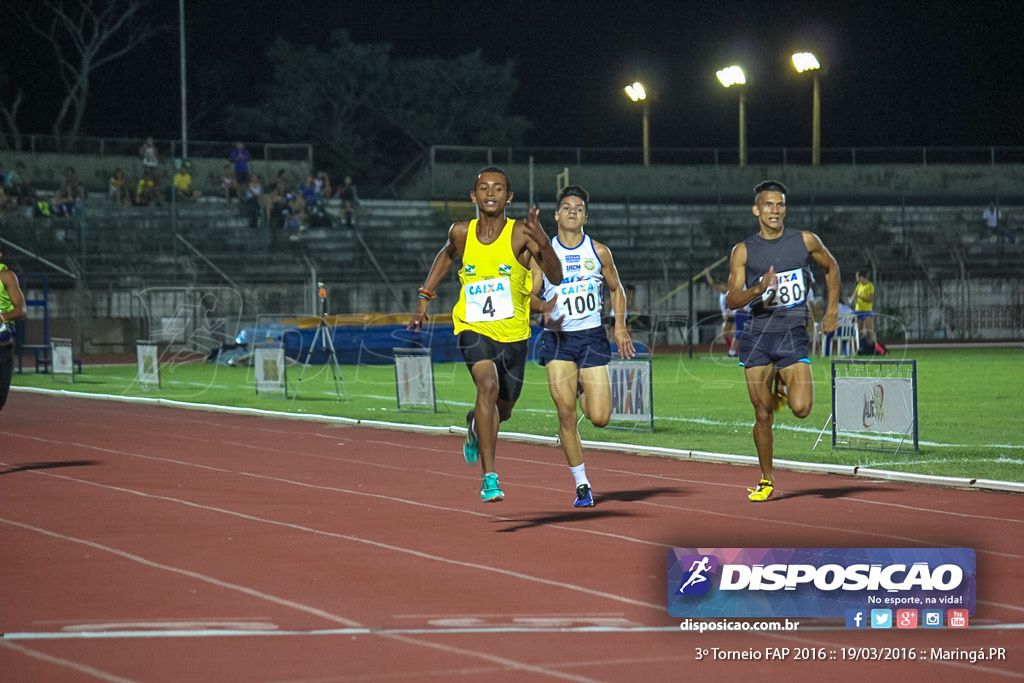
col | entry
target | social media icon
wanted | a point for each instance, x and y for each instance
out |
(881, 618)
(958, 618)
(906, 618)
(856, 618)
(931, 618)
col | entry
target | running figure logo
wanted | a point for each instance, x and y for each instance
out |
(696, 581)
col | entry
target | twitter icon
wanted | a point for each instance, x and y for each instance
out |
(881, 618)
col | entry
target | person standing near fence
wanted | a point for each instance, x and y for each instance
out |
(12, 307)
(492, 316)
(863, 300)
(728, 317)
(769, 272)
(574, 345)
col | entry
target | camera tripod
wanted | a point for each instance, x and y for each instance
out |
(325, 337)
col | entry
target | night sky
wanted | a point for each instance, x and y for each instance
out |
(910, 73)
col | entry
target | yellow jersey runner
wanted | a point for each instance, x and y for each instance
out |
(495, 297)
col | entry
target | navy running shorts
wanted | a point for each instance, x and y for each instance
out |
(779, 348)
(586, 348)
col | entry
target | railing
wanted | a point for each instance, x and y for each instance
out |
(569, 156)
(169, 149)
(715, 156)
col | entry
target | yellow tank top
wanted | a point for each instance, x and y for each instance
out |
(862, 292)
(495, 297)
(6, 305)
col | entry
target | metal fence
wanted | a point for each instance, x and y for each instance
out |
(727, 156)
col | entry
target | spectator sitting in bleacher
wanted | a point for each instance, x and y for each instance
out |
(19, 187)
(294, 214)
(228, 184)
(68, 195)
(183, 184)
(323, 185)
(4, 191)
(118, 189)
(145, 192)
(275, 203)
(307, 188)
(251, 203)
(349, 196)
(316, 213)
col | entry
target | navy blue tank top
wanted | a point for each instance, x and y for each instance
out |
(785, 306)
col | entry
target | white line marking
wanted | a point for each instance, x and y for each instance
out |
(81, 668)
(252, 592)
(319, 532)
(364, 631)
(503, 661)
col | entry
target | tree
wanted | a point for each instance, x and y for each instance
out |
(85, 36)
(10, 135)
(369, 112)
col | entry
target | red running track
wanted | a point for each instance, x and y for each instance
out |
(146, 543)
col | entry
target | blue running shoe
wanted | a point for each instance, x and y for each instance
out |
(490, 492)
(584, 497)
(469, 449)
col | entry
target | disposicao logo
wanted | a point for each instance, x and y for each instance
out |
(817, 582)
(697, 581)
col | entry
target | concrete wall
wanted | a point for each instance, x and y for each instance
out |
(835, 183)
(959, 183)
(45, 171)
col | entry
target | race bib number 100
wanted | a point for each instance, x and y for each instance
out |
(489, 300)
(790, 291)
(578, 300)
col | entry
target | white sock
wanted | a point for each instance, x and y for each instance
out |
(579, 473)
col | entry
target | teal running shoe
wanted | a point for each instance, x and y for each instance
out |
(469, 449)
(490, 492)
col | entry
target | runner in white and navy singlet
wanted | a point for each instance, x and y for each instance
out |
(573, 331)
(574, 344)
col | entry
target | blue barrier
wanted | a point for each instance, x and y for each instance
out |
(364, 344)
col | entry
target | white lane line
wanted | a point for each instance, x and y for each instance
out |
(60, 661)
(872, 533)
(252, 592)
(367, 631)
(502, 661)
(330, 534)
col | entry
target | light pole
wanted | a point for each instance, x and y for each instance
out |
(729, 77)
(637, 93)
(805, 61)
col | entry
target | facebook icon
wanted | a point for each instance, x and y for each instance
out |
(856, 618)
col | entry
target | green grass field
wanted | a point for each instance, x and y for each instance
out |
(970, 406)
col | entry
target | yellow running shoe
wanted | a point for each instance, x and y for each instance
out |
(781, 396)
(763, 492)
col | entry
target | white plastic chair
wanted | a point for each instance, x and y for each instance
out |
(844, 341)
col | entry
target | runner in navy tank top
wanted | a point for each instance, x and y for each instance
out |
(769, 271)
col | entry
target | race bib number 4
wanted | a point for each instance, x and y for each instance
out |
(488, 300)
(790, 291)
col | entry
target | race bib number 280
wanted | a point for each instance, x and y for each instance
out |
(790, 291)
(489, 300)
